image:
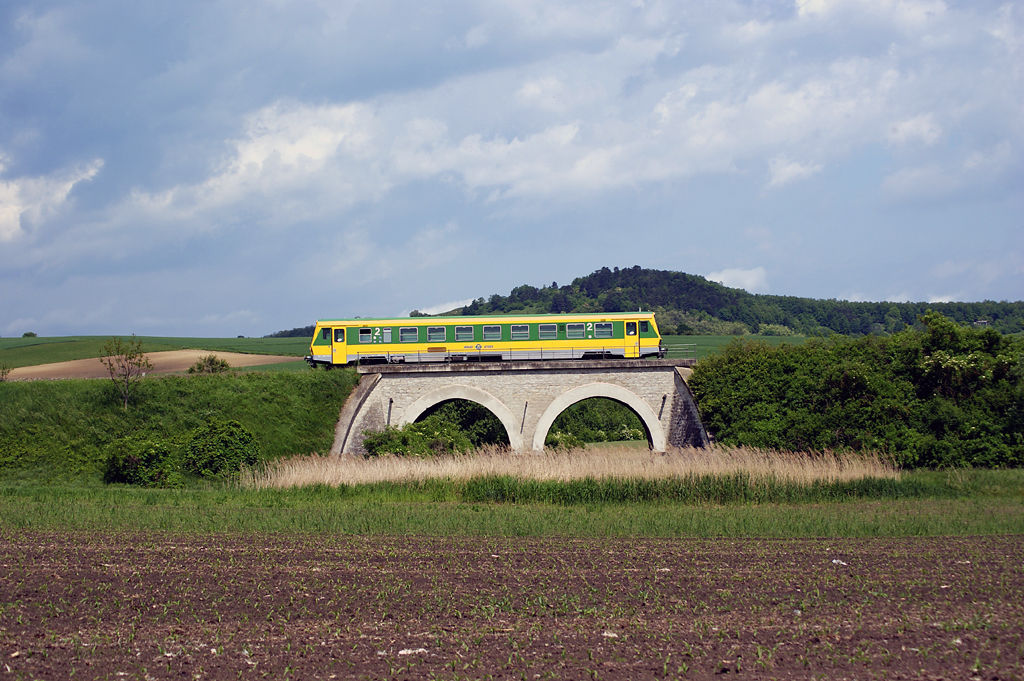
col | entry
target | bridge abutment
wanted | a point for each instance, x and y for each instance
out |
(525, 396)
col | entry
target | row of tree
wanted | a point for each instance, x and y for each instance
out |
(949, 395)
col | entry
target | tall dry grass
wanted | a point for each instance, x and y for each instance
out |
(597, 464)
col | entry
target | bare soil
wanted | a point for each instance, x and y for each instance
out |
(170, 362)
(220, 607)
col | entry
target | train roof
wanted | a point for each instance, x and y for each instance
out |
(590, 316)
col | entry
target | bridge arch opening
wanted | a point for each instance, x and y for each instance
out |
(600, 419)
(449, 393)
(651, 425)
(480, 424)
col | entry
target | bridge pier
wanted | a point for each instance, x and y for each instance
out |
(526, 397)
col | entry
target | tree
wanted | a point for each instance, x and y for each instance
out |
(126, 364)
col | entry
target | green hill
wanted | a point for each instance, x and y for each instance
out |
(690, 304)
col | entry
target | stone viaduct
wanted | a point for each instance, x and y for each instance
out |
(525, 396)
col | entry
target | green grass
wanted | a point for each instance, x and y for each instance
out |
(317, 510)
(703, 346)
(57, 430)
(22, 352)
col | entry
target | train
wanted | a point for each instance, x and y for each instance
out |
(407, 340)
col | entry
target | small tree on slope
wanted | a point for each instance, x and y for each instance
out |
(126, 365)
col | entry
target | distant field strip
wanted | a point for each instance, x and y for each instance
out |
(23, 352)
(699, 347)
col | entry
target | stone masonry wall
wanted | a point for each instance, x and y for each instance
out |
(521, 393)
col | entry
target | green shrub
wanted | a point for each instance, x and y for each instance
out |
(948, 396)
(599, 419)
(142, 461)
(433, 436)
(218, 449)
(560, 440)
(476, 421)
(210, 364)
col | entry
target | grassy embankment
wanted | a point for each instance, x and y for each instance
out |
(56, 431)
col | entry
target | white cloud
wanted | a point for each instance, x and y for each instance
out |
(784, 170)
(921, 129)
(754, 280)
(478, 36)
(295, 161)
(33, 199)
(908, 13)
(935, 179)
(443, 307)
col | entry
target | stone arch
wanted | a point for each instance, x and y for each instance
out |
(655, 433)
(458, 391)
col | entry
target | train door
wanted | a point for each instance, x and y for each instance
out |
(632, 340)
(339, 351)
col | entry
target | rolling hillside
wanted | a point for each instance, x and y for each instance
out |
(690, 304)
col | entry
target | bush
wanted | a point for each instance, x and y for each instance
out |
(29, 334)
(560, 440)
(141, 461)
(218, 449)
(430, 437)
(210, 364)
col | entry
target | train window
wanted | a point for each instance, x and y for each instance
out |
(326, 335)
(520, 332)
(548, 331)
(603, 330)
(644, 327)
(492, 333)
(463, 333)
(387, 335)
(365, 335)
(408, 334)
(576, 330)
(339, 335)
(630, 328)
(436, 334)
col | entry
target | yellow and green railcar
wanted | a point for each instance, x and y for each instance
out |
(624, 335)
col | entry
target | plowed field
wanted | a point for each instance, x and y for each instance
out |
(227, 607)
(173, 361)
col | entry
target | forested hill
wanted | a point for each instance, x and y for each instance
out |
(689, 303)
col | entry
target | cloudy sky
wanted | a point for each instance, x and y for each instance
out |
(226, 167)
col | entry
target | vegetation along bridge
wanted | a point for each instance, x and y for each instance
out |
(525, 396)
